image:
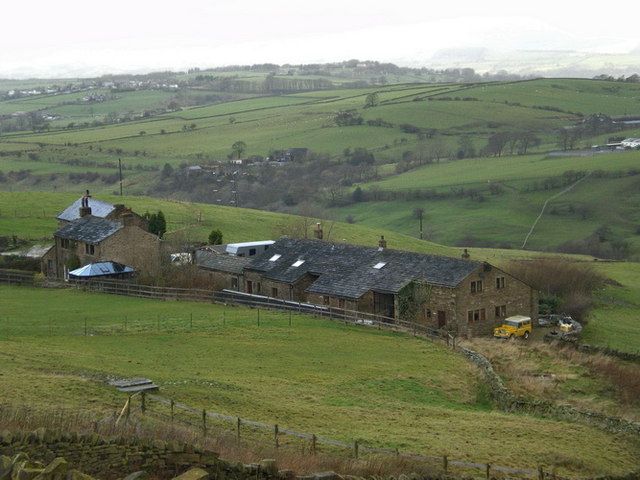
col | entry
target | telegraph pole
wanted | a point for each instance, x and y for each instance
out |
(120, 172)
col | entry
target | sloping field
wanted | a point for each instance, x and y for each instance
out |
(574, 95)
(318, 376)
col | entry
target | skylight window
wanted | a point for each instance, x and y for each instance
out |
(379, 265)
(275, 257)
(298, 263)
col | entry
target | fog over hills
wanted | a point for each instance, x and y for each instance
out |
(543, 37)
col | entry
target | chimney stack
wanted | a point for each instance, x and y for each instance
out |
(319, 234)
(382, 243)
(127, 219)
(85, 209)
(465, 254)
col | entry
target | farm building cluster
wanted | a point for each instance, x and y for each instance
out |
(458, 294)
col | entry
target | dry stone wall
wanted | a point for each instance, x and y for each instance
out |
(509, 402)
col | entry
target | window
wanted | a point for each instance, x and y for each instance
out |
(89, 249)
(275, 257)
(64, 242)
(252, 252)
(234, 283)
(428, 313)
(501, 311)
(341, 303)
(274, 292)
(479, 315)
(476, 286)
(326, 300)
(499, 282)
(259, 288)
(298, 263)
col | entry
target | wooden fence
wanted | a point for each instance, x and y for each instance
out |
(132, 289)
(207, 422)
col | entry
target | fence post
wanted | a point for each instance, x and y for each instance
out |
(445, 464)
(85, 326)
(258, 317)
(128, 408)
(355, 448)
(204, 422)
(488, 471)
(313, 443)
(289, 317)
(275, 435)
(191, 321)
(224, 317)
(143, 402)
(172, 409)
(158, 322)
(125, 323)
(238, 429)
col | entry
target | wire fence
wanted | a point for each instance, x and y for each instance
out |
(261, 304)
(211, 423)
(266, 310)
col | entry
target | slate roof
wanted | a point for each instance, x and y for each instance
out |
(98, 209)
(89, 229)
(221, 262)
(348, 270)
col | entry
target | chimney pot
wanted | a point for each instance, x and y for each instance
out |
(382, 243)
(319, 234)
(465, 254)
(84, 211)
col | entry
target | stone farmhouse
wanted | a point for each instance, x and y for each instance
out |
(100, 232)
(457, 294)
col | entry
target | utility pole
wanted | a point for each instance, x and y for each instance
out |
(419, 213)
(120, 172)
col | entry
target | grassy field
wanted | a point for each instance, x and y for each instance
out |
(305, 119)
(615, 322)
(31, 216)
(505, 219)
(480, 171)
(318, 376)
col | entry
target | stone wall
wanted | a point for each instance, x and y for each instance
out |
(509, 402)
(110, 458)
(591, 349)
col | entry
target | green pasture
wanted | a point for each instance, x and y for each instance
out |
(505, 219)
(615, 322)
(317, 376)
(575, 95)
(468, 172)
(31, 216)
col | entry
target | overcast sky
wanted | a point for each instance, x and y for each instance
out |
(91, 37)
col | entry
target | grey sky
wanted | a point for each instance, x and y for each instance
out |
(79, 37)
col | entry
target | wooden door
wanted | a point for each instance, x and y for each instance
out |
(442, 319)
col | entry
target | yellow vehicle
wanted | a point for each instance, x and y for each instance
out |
(516, 326)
